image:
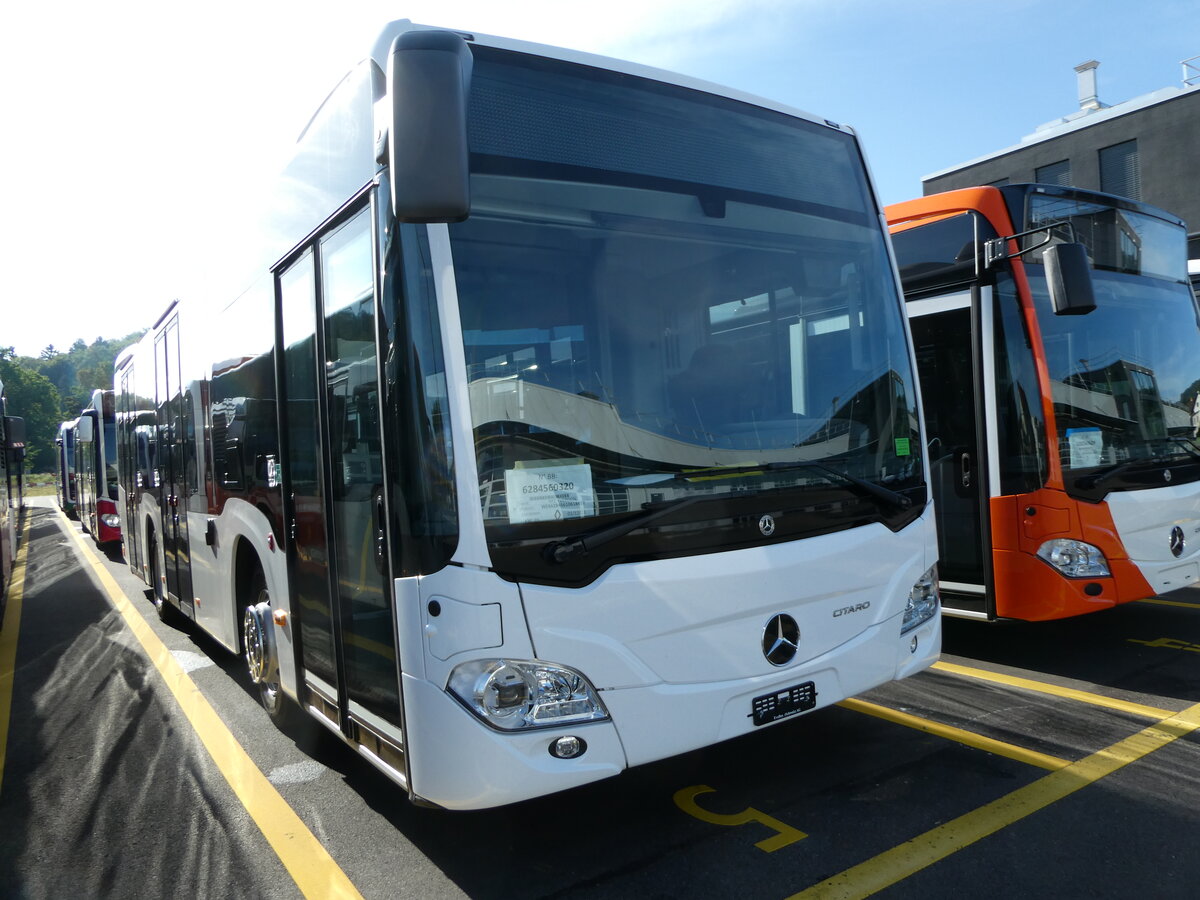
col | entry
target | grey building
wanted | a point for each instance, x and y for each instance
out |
(1145, 149)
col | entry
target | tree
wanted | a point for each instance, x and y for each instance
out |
(33, 397)
(81, 370)
(54, 387)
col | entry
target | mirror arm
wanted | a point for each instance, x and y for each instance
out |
(995, 251)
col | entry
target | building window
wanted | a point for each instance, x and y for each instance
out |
(1058, 173)
(1001, 183)
(1119, 170)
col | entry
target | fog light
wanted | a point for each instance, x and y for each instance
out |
(568, 747)
(912, 645)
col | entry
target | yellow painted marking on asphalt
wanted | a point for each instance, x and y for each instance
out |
(1134, 709)
(962, 736)
(8, 640)
(785, 834)
(1156, 601)
(908, 858)
(1168, 643)
(308, 862)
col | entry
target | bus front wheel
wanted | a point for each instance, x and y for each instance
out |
(262, 661)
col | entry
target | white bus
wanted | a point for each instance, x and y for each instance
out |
(64, 467)
(571, 425)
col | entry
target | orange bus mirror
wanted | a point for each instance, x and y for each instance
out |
(428, 80)
(1069, 277)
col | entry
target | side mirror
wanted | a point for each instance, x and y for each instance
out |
(14, 431)
(428, 80)
(1069, 276)
(83, 430)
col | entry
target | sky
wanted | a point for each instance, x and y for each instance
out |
(139, 136)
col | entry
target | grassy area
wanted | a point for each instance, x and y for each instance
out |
(39, 488)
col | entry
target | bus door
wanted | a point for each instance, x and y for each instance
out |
(951, 367)
(131, 488)
(175, 453)
(333, 480)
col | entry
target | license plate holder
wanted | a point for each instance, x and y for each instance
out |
(781, 704)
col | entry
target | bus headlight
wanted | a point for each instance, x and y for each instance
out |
(511, 694)
(112, 520)
(1075, 559)
(923, 601)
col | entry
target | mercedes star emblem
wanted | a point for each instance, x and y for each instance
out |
(781, 640)
(1178, 543)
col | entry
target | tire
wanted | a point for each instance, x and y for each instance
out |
(167, 614)
(280, 708)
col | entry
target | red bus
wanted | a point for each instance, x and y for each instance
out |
(96, 469)
(1059, 358)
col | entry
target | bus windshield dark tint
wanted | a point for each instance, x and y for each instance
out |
(623, 328)
(1118, 240)
(941, 253)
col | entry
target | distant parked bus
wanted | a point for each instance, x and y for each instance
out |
(64, 469)
(12, 485)
(571, 425)
(1059, 354)
(96, 458)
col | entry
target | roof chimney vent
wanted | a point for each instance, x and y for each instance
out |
(1087, 85)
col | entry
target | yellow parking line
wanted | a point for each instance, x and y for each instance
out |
(1159, 602)
(308, 862)
(900, 862)
(962, 736)
(1028, 684)
(8, 639)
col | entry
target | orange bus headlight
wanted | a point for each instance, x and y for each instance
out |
(1074, 559)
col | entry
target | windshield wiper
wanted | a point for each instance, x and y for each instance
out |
(570, 548)
(1088, 482)
(1186, 443)
(878, 491)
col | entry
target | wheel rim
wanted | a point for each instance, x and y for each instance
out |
(258, 649)
(154, 579)
(256, 653)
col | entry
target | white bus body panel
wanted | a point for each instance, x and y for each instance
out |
(674, 647)
(1144, 521)
(214, 571)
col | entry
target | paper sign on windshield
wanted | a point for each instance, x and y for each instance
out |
(1086, 446)
(547, 492)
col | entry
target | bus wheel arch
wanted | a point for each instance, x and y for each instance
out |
(259, 648)
(167, 614)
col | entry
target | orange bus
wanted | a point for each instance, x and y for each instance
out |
(1058, 351)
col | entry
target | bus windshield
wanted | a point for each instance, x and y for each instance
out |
(1124, 377)
(663, 293)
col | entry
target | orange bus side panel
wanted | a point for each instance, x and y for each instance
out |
(1027, 587)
